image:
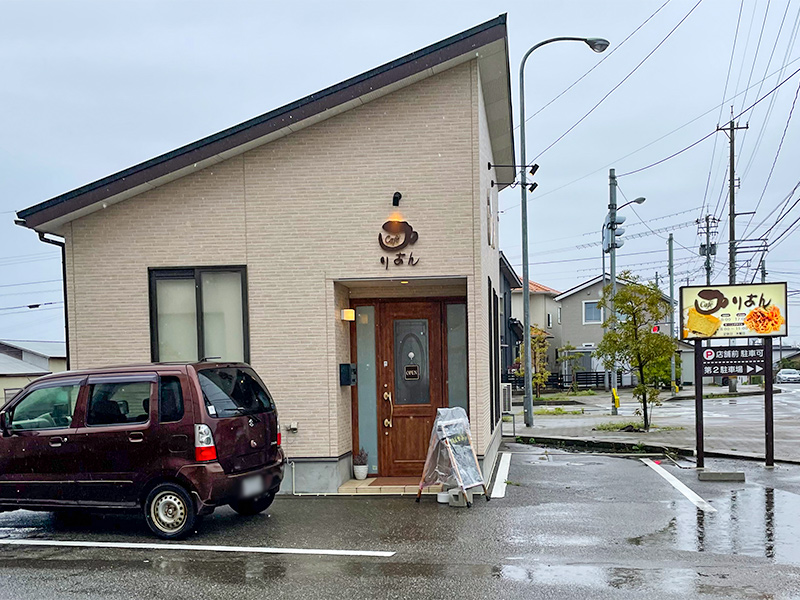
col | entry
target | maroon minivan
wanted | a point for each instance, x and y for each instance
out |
(171, 440)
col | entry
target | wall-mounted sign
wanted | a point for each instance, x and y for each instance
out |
(394, 237)
(412, 373)
(729, 311)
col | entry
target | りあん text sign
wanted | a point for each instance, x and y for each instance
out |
(729, 311)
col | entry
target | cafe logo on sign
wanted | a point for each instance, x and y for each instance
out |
(396, 236)
(727, 311)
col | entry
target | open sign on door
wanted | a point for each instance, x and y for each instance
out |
(412, 373)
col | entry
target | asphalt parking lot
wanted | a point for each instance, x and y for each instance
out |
(570, 526)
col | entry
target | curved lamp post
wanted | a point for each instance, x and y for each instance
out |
(598, 45)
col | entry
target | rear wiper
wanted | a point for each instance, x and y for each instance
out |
(242, 411)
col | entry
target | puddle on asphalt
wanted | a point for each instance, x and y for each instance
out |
(690, 582)
(752, 521)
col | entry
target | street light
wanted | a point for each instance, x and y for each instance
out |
(598, 45)
(612, 244)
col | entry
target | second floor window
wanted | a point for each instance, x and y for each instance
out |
(592, 313)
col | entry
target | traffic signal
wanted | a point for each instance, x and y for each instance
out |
(612, 232)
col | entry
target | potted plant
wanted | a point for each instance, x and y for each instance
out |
(360, 464)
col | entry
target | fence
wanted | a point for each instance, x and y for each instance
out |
(586, 380)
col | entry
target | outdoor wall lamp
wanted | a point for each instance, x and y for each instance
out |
(396, 199)
(348, 314)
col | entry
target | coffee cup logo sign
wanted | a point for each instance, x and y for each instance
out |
(394, 237)
(727, 311)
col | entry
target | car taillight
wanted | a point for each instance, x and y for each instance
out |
(204, 448)
(279, 438)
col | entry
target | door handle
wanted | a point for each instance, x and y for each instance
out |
(135, 436)
(388, 397)
(56, 441)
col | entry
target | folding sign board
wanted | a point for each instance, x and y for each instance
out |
(733, 311)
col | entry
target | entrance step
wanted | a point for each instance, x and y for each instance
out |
(386, 486)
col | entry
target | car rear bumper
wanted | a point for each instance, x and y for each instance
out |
(212, 487)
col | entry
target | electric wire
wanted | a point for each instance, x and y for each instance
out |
(624, 79)
(655, 141)
(692, 145)
(598, 63)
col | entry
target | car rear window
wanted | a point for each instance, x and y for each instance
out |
(228, 391)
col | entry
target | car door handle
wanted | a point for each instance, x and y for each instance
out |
(135, 436)
(56, 441)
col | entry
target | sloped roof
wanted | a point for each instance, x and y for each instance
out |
(606, 278)
(12, 366)
(488, 42)
(538, 288)
(45, 349)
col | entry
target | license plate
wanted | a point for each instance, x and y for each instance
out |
(252, 486)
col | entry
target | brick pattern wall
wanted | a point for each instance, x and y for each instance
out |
(302, 212)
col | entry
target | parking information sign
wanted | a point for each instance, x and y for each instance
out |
(737, 360)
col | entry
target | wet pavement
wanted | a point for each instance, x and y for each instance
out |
(732, 426)
(572, 525)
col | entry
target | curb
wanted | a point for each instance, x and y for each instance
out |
(635, 448)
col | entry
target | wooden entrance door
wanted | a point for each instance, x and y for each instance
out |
(410, 387)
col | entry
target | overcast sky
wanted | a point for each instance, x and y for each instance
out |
(89, 88)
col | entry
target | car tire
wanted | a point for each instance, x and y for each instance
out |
(253, 506)
(169, 511)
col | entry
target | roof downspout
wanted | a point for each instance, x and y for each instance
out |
(61, 244)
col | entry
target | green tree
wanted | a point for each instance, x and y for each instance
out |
(539, 347)
(629, 339)
(573, 360)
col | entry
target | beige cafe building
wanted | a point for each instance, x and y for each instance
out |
(356, 226)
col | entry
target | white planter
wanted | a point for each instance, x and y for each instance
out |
(360, 471)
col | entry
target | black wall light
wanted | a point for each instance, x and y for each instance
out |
(396, 199)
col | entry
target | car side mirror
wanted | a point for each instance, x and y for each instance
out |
(4, 424)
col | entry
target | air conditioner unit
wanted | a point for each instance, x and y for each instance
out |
(505, 389)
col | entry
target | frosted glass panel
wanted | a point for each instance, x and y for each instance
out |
(223, 325)
(457, 356)
(177, 320)
(411, 365)
(367, 384)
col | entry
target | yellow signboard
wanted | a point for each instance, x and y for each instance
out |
(730, 311)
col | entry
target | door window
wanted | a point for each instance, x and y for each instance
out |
(46, 408)
(411, 375)
(115, 403)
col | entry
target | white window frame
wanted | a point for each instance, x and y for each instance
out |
(583, 313)
(549, 320)
(559, 315)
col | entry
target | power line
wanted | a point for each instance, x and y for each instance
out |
(33, 305)
(5, 285)
(655, 141)
(624, 79)
(598, 63)
(733, 118)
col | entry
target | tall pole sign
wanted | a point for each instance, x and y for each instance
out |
(728, 312)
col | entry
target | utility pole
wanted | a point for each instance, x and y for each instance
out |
(612, 214)
(732, 222)
(671, 317)
(708, 249)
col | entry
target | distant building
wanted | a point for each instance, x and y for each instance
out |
(22, 362)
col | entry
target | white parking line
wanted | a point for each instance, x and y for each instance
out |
(196, 547)
(676, 483)
(499, 487)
